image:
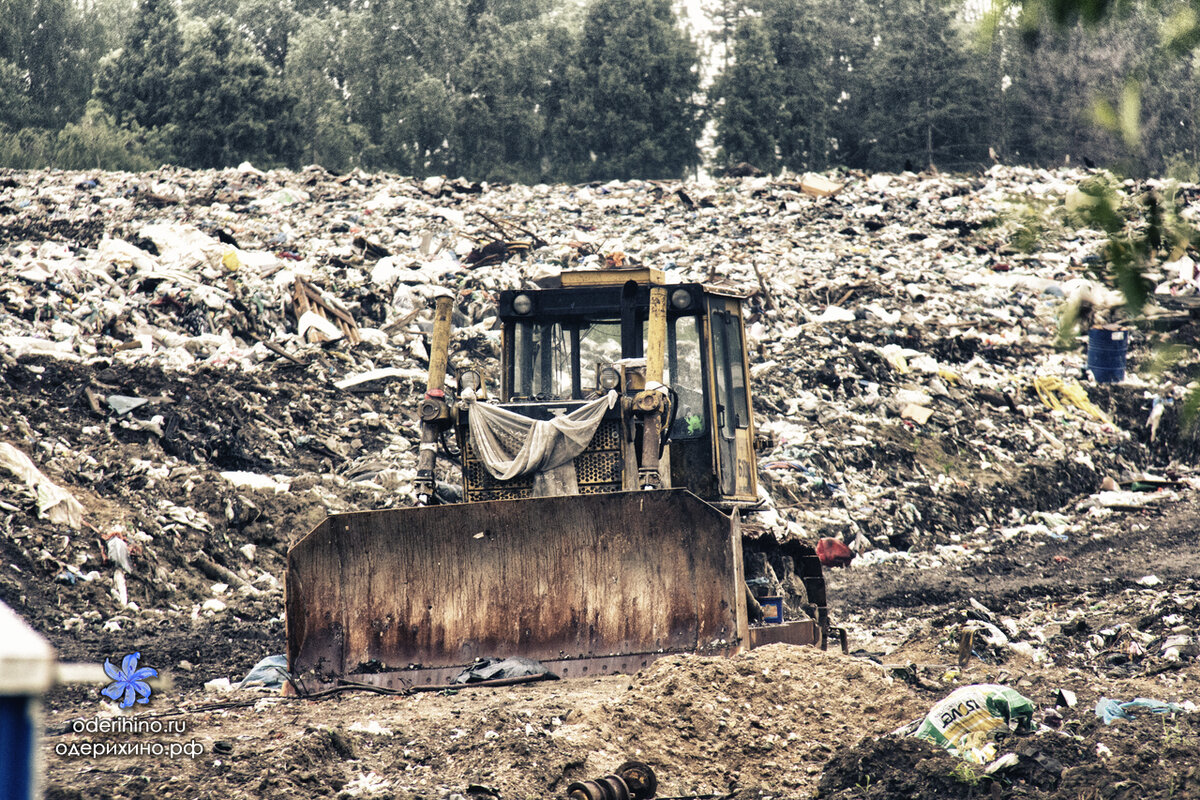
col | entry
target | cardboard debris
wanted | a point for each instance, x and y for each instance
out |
(918, 414)
(819, 186)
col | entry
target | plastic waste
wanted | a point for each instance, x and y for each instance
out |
(1109, 710)
(973, 719)
(270, 672)
(122, 405)
(833, 553)
(491, 669)
(53, 502)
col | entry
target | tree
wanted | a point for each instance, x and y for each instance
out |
(134, 83)
(268, 25)
(629, 107)
(45, 72)
(818, 48)
(750, 94)
(400, 81)
(317, 75)
(226, 103)
(919, 92)
(503, 93)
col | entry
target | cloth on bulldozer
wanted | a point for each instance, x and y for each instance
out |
(512, 445)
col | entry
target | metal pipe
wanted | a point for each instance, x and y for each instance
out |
(656, 335)
(651, 401)
(631, 345)
(439, 348)
(433, 412)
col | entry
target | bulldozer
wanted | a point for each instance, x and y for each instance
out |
(605, 474)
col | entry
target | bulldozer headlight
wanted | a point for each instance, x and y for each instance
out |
(469, 379)
(522, 304)
(681, 299)
(609, 378)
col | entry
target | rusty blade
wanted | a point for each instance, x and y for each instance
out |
(554, 579)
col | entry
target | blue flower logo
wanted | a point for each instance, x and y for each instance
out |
(129, 682)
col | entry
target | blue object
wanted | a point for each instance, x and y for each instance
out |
(128, 683)
(1108, 709)
(772, 608)
(27, 666)
(16, 747)
(1106, 354)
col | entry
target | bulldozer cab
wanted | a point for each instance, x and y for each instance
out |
(564, 346)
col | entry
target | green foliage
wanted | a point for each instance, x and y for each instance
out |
(629, 108)
(1026, 222)
(316, 73)
(751, 94)
(544, 89)
(97, 142)
(94, 142)
(819, 48)
(45, 73)
(27, 148)
(920, 90)
(266, 25)
(1142, 231)
(964, 774)
(226, 105)
(14, 102)
(501, 125)
(134, 83)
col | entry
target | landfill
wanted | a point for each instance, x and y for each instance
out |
(198, 366)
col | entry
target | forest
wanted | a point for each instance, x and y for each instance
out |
(582, 90)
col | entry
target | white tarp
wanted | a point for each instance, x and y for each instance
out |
(54, 502)
(512, 445)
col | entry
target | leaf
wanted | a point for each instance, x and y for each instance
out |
(1181, 31)
(1130, 114)
(1191, 408)
(1105, 115)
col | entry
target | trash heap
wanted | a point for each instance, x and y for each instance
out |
(208, 362)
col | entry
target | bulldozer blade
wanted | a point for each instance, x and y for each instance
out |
(586, 584)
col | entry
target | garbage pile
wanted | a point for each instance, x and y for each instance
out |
(994, 745)
(208, 362)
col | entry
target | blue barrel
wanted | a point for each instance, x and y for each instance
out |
(1106, 354)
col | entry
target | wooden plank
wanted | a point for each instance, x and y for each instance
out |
(308, 298)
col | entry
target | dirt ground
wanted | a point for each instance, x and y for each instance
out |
(780, 721)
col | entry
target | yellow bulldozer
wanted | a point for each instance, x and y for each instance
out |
(604, 474)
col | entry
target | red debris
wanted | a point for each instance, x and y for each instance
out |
(833, 553)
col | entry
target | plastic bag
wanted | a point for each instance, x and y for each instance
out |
(972, 719)
(491, 669)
